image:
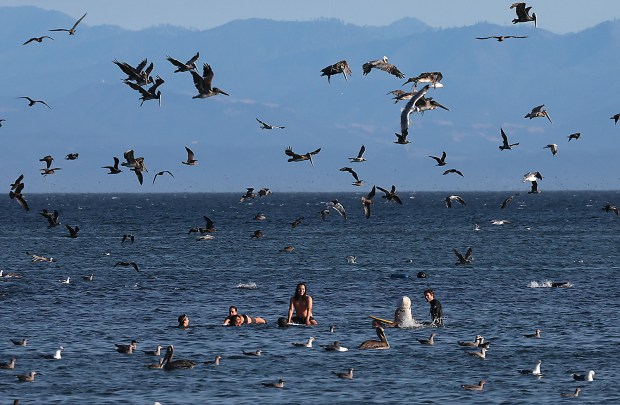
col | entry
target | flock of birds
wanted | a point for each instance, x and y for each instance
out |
(140, 79)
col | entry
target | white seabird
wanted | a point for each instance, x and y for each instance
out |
(584, 377)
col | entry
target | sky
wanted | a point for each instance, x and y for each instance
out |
(205, 14)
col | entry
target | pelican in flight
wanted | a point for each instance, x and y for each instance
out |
(137, 74)
(502, 38)
(338, 67)
(467, 259)
(203, 83)
(264, 125)
(360, 156)
(71, 30)
(382, 64)
(380, 344)
(523, 14)
(553, 147)
(537, 112)
(184, 67)
(505, 144)
(190, 158)
(409, 108)
(37, 39)
(32, 102)
(440, 161)
(433, 78)
(357, 181)
(149, 94)
(294, 157)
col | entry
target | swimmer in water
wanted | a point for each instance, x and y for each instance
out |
(301, 304)
(236, 319)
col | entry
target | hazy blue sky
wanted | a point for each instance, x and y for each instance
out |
(554, 15)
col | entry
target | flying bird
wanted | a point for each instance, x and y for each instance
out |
(611, 208)
(553, 147)
(1, 121)
(453, 171)
(505, 144)
(360, 156)
(71, 30)
(148, 94)
(127, 264)
(113, 169)
(537, 112)
(533, 177)
(203, 83)
(16, 194)
(440, 161)
(37, 39)
(249, 194)
(264, 192)
(427, 77)
(52, 217)
(448, 200)
(523, 14)
(184, 67)
(467, 259)
(501, 38)
(615, 117)
(294, 157)
(48, 160)
(338, 207)
(367, 201)
(382, 64)
(507, 201)
(296, 222)
(357, 181)
(73, 231)
(32, 102)
(161, 173)
(575, 136)
(190, 158)
(72, 156)
(264, 125)
(409, 108)
(138, 74)
(336, 68)
(391, 195)
(401, 139)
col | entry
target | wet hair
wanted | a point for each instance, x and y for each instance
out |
(233, 307)
(235, 318)
(421, 274)
(182, 319)
(297, 288)
(429, 291)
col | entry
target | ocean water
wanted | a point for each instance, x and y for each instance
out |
(504, 294)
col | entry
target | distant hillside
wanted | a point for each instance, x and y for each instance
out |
(272, 71)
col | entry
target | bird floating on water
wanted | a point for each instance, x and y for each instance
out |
(305, 344)
(481, 354)
(8, 366)
(254, 353)
(335, 347)
(536, 371)
(380, 344)
(584, 377)
(128, 349)
(56, 356)
(347, 376)
(572, 394)
(26, 377)
(22, 342)
(478, 387)
(430, 341)
(170, 364)
(278, 384)
(479, 339)
(535, 335)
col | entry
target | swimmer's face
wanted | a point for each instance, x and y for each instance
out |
(237, 320)
(232, 311)
(428, 296)
(301, 289)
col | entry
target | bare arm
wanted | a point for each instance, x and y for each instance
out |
(290, 311)
(309, 315)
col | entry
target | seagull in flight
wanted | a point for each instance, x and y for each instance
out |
(357, 181)
(190, 158)
(32, 102)
(453, 171)
(360, 156)
(71, 30)
(37, 39)
(161, 173)
(451, 198)
(501, 38)
(367, 201)
(505, 144)
(553, 147)
(533, 177)
(575, 136)
(264, 125)
(508, 200)
(440, 161)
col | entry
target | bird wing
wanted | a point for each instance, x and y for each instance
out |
(484, 37)
(289, 152)
(458, 255)
(468, 254)
(397, 199)
(135, 266)
(77, 22)
(459, 199)
(314, 152)
(199, 82)
(139, 175)
(361, 152)
(207, 74)
(372, 192)
(132, 73)
(190, 154)
(29, 41)
(265, 125)
(504, 137)
(175, 62)
(193, 59)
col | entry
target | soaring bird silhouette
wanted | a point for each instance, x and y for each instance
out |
(336, 68)
(615, 117)
(184, 67)
(505, 144)
(149, 94)
(382, 64)
(71, 30)
(453, 171)
(203, 83)
(502, 38)
(575, 136)
(295, 157)
(440, 161)
(72, 156)
(467, 259)
(391, 194)
(264, 125)
(32, 102)
(523, 14)
(357, 181)
(127, 264)
(161, 173)
(360, 156)
(113, 169)
(37, 39)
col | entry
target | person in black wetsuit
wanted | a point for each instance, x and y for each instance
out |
(435, 310)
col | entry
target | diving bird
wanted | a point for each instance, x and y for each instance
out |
(572, 394)
(501, 38)
(32, 102)
(71, 30)
(584, 377)
(523, 14)
(448, 200)
(127, 264)
(391, 194)
(203, 83)
(336, 68)
(537, 112)
(184, 67)
(360, 156)
(37, 39)
(148, 94)
(347, 376)
(575, 136)
(380, 344)
(161, 173)
(478, 387)
(505, 144)
(278, 384)
(453, 171)
(17, 195)
(357, 181)
(535, 335)
(170, 364)
(72, 156)
(611, 208)
(467, 259)
(367, 201)
(73, 231)
(427, 77)
(507, 201)
(264, 125)
(536, 371)
(430, 341)
(294, 157)
(382, 64)
(553, 147)
(113, 169)
(440, 161)
(190, 158)
(615, 117)
(409, 108)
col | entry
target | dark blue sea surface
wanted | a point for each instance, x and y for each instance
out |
(552, 237)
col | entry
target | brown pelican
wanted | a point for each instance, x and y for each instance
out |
(249, 194)
(533, 177)
(467, 259)
(52, 217)
(430, 341)
(264, 125)
(536, 371)
(23, 342)
(428, 104)
(537, 112)
(400, 95)
(149, 94)
(380, 344)
(427, 77)
(27, 377)
(37, 39)
(128, 237)
(335, 347)
(478, 387)
(615, 117)
(209, 227)
(305, 344)
(190, 158)
(279, 384)
(553, 147)
(127, 264)
(121, 348)
(8, 366)
(17, 182)
(611, 208)
(184, 67)
(506, 145)
(113, 169)
(575, 136)
(73, 231)
(357, 181)
(203, 83)
(440, 161)
(72, 156)
(170, 364)
(507, 201)
(448, 200)
(17, 196)
(137, 74)
(48, 160)
(32, 102)
(360, 156)
(535, 335)
(367, 201)
(523, 14)
(572, 394)
(71, 30)
(161, 173)
(584, 377)
(391, 195)
(382, 64)
(478, 340)
(409, 108)
(338, 67)
(501, 38)
(294, 157)
(158, 365)
(453, 171)
(347, 376)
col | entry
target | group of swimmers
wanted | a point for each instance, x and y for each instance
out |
(300, 312)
